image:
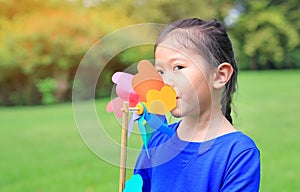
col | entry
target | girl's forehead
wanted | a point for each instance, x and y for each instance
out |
(183, 44)
(172, 42)
(168, 53)
(166, 50)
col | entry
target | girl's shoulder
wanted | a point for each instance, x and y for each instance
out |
(236, 138)
(235, 144)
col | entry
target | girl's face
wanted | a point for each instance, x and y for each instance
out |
(188, 74)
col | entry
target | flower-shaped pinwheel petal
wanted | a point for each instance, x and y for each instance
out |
(134, 184)
(133, 99)
(146, 79)
(123, 84)
(161, 102)
(124, 92)
(115, 106)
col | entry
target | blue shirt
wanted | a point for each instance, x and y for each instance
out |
(228, 163)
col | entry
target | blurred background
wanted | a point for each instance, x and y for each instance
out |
(43, 42)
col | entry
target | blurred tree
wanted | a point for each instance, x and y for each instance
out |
(48, 43)
(166, 11)
(46, 39)
(42, 42)
(13, 8)
(267, 34)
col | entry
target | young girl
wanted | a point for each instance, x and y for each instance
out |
(207, 153)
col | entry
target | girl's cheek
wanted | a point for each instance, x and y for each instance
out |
(182, 81)
(169, 79)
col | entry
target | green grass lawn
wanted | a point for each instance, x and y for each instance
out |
(41, 149)
(268, 108)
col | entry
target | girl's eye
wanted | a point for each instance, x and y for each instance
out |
(178, 67)
(160, 72)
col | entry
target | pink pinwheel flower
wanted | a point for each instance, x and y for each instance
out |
(124, 91)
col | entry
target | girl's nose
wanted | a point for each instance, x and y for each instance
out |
(168, 79)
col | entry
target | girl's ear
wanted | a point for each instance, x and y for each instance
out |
(222, 75)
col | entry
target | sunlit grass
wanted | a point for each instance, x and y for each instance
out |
(268, 110)
(41, 149)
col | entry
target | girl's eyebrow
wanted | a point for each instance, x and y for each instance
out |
(158, 63)
(174, 59)
(171, 60)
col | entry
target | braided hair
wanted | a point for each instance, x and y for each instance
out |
(209, 39)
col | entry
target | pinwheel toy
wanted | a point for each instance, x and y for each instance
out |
(149, 100)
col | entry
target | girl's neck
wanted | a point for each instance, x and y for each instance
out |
(207, 126)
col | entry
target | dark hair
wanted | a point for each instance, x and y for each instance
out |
(209, 39)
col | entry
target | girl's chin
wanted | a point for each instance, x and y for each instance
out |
(176, 113)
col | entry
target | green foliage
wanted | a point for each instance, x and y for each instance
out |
(46, 87)
(47, 39)
(136, 54)
(166, 11)
(48, 42)
(267, 36)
